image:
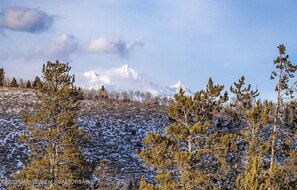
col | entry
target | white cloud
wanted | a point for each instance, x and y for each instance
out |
(61, 47)
(112, 46)
(25, 19)
(66, 45)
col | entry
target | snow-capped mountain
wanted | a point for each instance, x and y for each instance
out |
(177, 86)
(126, 79)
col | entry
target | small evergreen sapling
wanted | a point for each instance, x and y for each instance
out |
(14, 83)
(2, 77)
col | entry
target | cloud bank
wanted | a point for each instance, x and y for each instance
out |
(25, 20)
(112, 46)
(64, 46)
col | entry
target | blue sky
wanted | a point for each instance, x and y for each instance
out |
(164, 40)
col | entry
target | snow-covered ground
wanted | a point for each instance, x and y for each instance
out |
(116, 131)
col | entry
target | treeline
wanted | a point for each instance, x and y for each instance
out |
(90, 94)
(130, 96)
(18, 83)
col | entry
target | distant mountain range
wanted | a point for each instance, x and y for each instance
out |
(125, 78)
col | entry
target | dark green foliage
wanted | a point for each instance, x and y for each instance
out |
(14, 83)
(37, 83)
(53, 135)
(28, 84)
(285, 71)
(2, 76)
(79, 93)
(245, 97)
(103, 93)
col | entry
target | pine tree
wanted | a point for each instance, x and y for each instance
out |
(245, 97)
(2, 76)
(53, 136)
(288, 174)
(103, 93)
(284, 72)
(255, 176)
(284, 174)
(21, 83)
(14, 83)
(37, 83)
(189, 155)
(256, 115)
(28, 84)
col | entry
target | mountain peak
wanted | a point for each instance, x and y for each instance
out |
(91, 75)
(178, 84)
(125, 67)
(126, 71)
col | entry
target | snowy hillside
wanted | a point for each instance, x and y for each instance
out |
(126, 79)
(116, 131)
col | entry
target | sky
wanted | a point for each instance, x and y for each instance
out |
(163, 40)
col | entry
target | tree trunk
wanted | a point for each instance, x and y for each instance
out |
(275, 131)
(190, 143)
(276, 114)
(53, 163)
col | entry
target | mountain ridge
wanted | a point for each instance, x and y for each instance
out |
(125, 78)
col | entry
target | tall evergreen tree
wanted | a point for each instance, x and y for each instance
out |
(53, 135)
(14, 83)
(37, 83)
(2, 77)
(285, 71)
(189, 155)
